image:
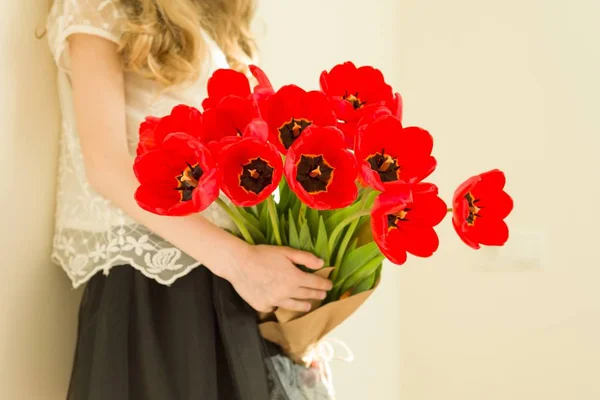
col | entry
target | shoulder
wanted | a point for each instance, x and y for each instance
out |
(101, 18)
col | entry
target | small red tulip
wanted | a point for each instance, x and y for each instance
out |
(178, 178)
(390, 154)
(251, 170)
(320, 170)
(480, 205)
(291, 110)
(402, 221)
(154, 130)
(228, 82)
(356, 92)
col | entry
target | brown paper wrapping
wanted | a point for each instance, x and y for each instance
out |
(295, 331)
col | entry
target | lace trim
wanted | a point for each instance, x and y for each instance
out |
(145, 252)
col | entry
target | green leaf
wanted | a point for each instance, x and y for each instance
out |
(283, 228)
(294, 240)
(270, 236)
(312, 216)
(377, 274)
(305, 239)
(339, 215)
(321, 242)
(285, 197)
(257, 235)
(248, 216)
(296, 210)
(350, 249)
(370, 268)
(264, 217)
(363, 233)
(356, 260)
(364, 285)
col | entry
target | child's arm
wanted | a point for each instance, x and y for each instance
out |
(265, 276)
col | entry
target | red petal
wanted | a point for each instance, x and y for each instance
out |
(463, 189)
(318, 109)
(391, 249)
(162, 200)
(146, 140)
(490, 232)
(498, 207)
(398, 106)
(415, 141)
(371, 177)
(418, 240)
(207, 191)
(153, 167)
(263, 81)
(257, 129)
(225, 82)
(463, 231)
(427, 209)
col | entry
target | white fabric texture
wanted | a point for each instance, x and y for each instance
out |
(91, 234)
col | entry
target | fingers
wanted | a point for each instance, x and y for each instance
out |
(312, 281)
(295, 305)
(303, 258)
(309, 294)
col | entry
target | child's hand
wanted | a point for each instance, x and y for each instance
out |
(266, 277)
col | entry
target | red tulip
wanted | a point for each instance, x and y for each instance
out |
(229, 118)
(291, 110)
(154, 130)
(320, 170)
(251, 170)
(480, 205)
(228, 82)
(390, 154)
(402, 221)
(179, 178)
(356, 92)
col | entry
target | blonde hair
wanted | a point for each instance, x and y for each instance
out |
(162, 39)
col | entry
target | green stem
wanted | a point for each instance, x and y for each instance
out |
(449, 210)
(342, 248)
(302, 213)
(272, 208)
(237, 219)
(338, 229)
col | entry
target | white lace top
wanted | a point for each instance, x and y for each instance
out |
(91, 234)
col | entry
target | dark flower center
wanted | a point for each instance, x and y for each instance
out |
(386, 165)
(289, 132)
(354, 100)
(473, 209)
(395, 219)
(314, 174)
(256, 175)
(188, 181)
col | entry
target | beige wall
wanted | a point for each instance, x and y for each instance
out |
(511, 84)
(37, 308)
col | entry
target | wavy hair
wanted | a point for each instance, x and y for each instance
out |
(162, 39)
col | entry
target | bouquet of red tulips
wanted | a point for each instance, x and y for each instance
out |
(333, 172)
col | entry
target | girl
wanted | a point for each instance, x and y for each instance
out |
(165, 313)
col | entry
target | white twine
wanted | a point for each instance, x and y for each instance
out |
(323, 353)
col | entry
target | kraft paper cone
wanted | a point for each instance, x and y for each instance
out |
(284, 315)
(297, 335)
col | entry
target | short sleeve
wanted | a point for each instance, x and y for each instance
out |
(100, 18)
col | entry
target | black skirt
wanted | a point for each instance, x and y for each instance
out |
(140, 340)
